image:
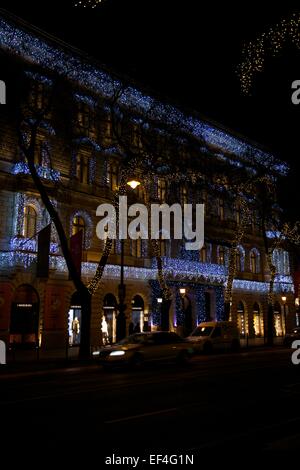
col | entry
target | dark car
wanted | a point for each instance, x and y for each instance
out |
(290, 337)
(141, 347)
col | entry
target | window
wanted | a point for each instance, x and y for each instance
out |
(184, 194)
(136, 136)
(136, 248)
(162, 247)
(161, 190)
(217, 332)
(254, 261)
(221, 209)
(238, 214)
(240, 259)
(30, 222)
(85, 116)
(221, 255)
(113, 176)
(203, 254)
(41, 154)
(77, 225)
(281, 261)
(39, 98)
(82, 168)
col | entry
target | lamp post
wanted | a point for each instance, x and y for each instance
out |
(283, 298)
(121, 318)
(186, 327)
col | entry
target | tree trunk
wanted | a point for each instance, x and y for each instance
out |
(270, 325)
(227, 310)
(165, 320)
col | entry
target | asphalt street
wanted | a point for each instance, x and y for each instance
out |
(248, 400)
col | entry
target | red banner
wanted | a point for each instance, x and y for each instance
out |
(42, 268)
(76, 250)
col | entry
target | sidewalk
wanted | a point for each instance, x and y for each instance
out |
(260, 342)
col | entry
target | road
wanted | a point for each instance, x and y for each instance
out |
(248, 400)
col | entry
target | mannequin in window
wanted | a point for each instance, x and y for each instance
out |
(75, 329)
(104, 329)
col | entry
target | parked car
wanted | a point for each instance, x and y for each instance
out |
(214, 335)
(292, 336)
(149, 346)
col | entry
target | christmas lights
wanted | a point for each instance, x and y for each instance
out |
(62, 62)
(21, 168)
(88, 3)
(271, 41)
(17, 258)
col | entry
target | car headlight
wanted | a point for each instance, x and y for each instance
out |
(117, 353)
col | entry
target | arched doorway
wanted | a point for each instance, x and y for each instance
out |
(278, 320)
(24, 319)
(137, 314)
(241, 318)
(74, 320)
(108, 322)
(257, 320)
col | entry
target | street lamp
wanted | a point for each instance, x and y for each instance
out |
(121, 319)
(283, 298)
(133, 184)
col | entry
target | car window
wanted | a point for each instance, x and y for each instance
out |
(134, 339)
(217, 332)
(202, 331)
(164, 338)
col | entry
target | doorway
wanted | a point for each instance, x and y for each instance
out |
(24, 319)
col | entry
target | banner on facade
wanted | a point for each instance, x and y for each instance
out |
(42, 268)
(76, 250)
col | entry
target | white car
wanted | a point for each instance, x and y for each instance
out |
(140, 347)
(214, 335)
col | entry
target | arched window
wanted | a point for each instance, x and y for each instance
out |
(78, 224)
(254, 261)
(30, 222)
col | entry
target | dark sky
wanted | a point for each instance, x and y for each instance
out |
(189, 51)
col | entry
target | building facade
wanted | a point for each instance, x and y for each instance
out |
(79, 159)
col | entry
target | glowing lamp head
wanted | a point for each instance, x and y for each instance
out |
(159, 300)
(182, 291)
(283, 298)
(133, 184)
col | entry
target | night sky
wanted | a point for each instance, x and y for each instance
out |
(189, 51)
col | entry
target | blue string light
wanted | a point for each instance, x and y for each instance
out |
(59, 60)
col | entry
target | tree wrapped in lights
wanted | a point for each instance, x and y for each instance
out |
(272, 41)
(282, 234)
